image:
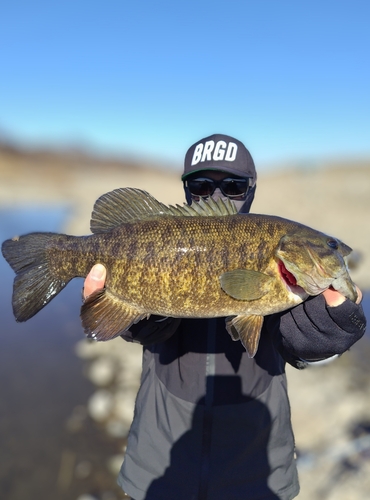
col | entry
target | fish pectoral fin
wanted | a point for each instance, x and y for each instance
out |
(247, 329)
(104, 316)
(245, 284)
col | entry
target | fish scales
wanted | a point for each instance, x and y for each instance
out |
(196, 262)
(165, 270)
(162, 272)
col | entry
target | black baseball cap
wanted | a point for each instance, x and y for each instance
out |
(220, 152)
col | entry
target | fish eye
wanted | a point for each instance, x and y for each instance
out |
(333, 244)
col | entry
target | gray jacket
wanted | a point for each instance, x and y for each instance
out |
(211, 423)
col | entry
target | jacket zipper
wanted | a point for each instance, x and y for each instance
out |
(207, 418)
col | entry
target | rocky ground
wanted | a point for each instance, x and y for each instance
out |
(330, 402)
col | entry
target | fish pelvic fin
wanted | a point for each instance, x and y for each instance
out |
(104, 316)
(35, 283)
(125, 205)
(247, 329)
(245, 284)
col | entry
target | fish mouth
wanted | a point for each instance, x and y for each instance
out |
(290, 280)
(343, 284)
(346, 287)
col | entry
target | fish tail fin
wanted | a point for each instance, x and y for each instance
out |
(35, 283)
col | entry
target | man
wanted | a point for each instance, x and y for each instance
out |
(211, 423)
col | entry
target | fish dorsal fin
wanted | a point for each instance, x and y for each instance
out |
(130, 204)
(123, 205)
(210, 207)
(205, 208)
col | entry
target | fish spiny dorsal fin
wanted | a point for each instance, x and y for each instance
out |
(205, 208)
(210, 207)
(221, 207)
(130, 204)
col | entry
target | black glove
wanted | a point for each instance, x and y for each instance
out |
(313, 331)
(152, 330)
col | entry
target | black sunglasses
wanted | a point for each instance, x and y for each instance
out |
(230, 187)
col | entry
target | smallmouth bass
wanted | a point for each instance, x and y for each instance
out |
(198, 261)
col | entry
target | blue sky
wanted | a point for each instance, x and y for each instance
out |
(289, 78)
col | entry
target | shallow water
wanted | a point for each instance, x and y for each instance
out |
(49, 446)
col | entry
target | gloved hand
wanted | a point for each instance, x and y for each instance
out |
(314, 331)
(152, 330)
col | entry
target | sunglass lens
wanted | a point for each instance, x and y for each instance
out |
(201, 187)
(234, 187)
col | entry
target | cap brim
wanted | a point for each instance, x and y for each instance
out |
(229, 170)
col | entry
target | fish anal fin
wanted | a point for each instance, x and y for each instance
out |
(231, 329)
(245, 284)
(104, 316)
(247, 329)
